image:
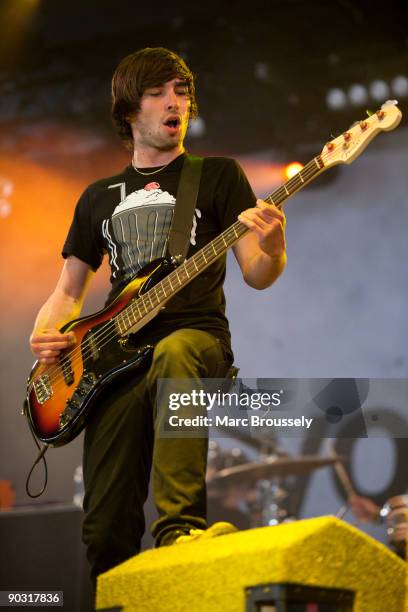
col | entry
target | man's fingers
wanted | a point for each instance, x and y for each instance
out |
(271, 211)
(250, 221)
(48, 360)
(49, 353)
(48, 344)
(257, 218)
(56, 345)
(50, 336)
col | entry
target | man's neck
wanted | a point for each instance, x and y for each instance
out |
(150, 158)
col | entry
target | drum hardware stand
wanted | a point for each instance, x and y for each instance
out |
(270, 496)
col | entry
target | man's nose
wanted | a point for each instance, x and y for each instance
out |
(172, 100)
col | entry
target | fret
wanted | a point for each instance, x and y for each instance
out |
(195, 265)
(300, 176)
(186, 271)
(223, 239)
(316, 162)
(118, 318)
(138, 310)
(285, 188)
(129, 312)
(157, 297)
(149, 298)
(178, 278)
(169, 280)
(204, 257)
(163, 289)
(212, 244)
(235, 231)
(126, 316)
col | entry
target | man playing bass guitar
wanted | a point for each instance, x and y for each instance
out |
(128, 217)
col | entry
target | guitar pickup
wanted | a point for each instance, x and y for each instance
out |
(88, 380)
(69, 412)
(74, 404)
(66, 367)
(92, 346)
(42, 388)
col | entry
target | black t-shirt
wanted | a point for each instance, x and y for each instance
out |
(129, 215)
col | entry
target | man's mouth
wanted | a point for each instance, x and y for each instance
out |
(172, 123)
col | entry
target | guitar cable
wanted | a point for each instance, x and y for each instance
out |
(40, 456)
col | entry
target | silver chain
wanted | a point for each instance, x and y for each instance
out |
(149, 173)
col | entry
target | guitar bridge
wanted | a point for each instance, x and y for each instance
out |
(42, 388)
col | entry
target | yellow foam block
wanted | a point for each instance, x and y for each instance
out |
(211, 575)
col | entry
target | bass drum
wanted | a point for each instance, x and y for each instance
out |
(395, 513)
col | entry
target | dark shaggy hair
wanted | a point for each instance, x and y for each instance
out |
(150, 67)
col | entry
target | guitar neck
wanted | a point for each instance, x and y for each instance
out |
(158, 295)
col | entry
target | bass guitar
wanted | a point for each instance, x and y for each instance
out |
(61, 396)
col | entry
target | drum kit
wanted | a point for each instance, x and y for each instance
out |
(260, 484)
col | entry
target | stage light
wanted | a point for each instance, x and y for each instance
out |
(399, 85)
(357, 95)
(379, 90)
(6, 187)
(262, 71)
(5, 208)
(6, 190)
(336, 99)
(291, 169)
(196, 127)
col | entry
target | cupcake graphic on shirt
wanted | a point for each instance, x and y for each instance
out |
(139, 228)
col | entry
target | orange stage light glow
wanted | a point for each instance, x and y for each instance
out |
(292, 169)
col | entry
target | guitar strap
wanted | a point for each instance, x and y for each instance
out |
(187, 193)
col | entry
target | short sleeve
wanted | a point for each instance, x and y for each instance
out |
(234, 194)
(81, 241)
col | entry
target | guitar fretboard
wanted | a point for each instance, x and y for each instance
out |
(158, 295)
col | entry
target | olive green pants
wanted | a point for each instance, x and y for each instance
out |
(121, 448)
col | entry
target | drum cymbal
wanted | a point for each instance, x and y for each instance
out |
(271, 468)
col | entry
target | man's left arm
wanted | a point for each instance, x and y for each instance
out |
(261, 253)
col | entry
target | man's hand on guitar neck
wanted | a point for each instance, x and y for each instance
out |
(261, 253)
(268, 224)
(47, 345)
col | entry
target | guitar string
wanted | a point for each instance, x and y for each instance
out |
(209, 260)
(307, 173)
(55, 372)
(76, 355)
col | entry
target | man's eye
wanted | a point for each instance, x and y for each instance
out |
(153, 93)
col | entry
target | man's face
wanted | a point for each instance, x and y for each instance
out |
(162, 120)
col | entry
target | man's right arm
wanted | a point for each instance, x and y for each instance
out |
(63, 305)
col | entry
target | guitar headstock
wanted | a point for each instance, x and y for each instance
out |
(346, 147)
